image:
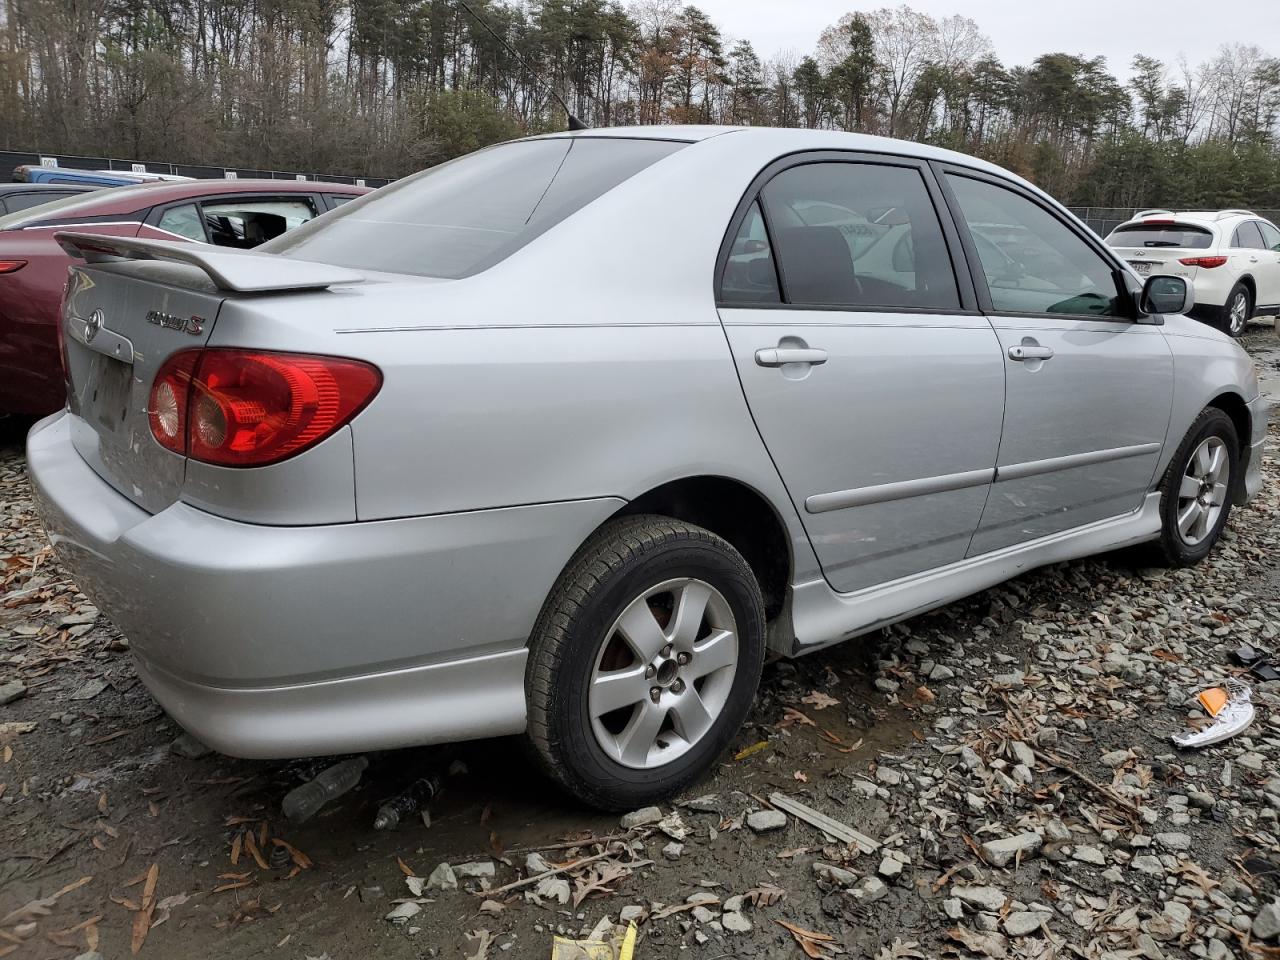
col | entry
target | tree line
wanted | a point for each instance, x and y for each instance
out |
(385, 87)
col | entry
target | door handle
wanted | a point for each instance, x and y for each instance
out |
(1253, 259)
(777, 356)
(1030, 352)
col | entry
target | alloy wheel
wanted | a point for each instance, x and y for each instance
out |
(1239, 315)
(1203, 490)
(663, 674)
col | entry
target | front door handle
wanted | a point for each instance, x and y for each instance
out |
(777, 356)
(1030, 352)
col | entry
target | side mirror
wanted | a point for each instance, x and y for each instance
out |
(1167, 295)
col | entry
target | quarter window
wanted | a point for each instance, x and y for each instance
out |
(1032, 261)
(1248, 237)
(859, 235)
(247, 223)
(749, 274)
(183, 221)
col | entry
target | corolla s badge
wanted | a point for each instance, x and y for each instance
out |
(191, 325)
(93, 325)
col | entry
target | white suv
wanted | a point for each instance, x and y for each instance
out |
(1232, 257)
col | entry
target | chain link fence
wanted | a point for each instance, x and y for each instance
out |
(1102, 220)
(13, 158)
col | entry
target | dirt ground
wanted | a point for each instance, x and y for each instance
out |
(1039, 708)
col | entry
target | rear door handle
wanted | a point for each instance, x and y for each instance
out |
(1027, 352)
(777, 356)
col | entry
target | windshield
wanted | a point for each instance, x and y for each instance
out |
(1161, 235)
(462, 217)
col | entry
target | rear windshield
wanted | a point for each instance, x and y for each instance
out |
(1161, 235)
(464, 216)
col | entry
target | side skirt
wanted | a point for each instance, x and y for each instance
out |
(821, 617)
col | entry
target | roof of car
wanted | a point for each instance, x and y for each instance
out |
(131, 199)
(1198, 217)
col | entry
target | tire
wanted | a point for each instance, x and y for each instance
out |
(592, 626)
(1212, 430)
(1236, 312)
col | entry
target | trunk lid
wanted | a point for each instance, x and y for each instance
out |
(1148, 262)
(120, 323)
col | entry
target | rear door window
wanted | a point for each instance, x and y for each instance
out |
(1157, 235)
(247, 223)
(461, 217)
(1270, 236)
(858, 235)
(1248, 237)
(1033, 262)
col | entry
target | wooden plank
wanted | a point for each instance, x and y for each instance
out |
(832, 828)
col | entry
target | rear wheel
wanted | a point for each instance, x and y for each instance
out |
(644, 661)
(1236, 311)
(1195, 495)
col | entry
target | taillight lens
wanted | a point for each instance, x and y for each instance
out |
(1207, 262)
(249, 408)
(11, 266)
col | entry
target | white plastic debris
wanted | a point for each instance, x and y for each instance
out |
(1236, 715)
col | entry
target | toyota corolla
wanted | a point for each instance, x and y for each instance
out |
(564, 437)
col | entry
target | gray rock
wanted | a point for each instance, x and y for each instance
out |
(89, 690)
(702, 914)
(833, 874)
(553, 888)
(889, 868)
(1174, 841)
(189, 747)
(872, 889)
(762, 821)
(1086, 854)
(641, 818)
(1001, 852)
(1023, 754)
(1057, 831)
(442, 878)
(474, 870)
(89, 955)
(629, 914)
(990, 899)
(941, 672)
(11, 691)
(1115, 758)
(953, 908)
(1023, 922)
(1148, 865)
(735, 923)
(673, 850)
(1266, 925)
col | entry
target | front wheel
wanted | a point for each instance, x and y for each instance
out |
(1195, 495)
(644, 661)
(1237, 311)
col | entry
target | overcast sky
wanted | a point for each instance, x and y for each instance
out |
(1021, 30)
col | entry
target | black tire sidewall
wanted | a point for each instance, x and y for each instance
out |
(1211, 423)
(570, 716)
(1225, 324)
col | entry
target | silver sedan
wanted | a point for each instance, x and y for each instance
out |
(562, 437)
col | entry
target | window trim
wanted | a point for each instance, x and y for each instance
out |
(969, 305)
(1235, 236)
(1125, 285)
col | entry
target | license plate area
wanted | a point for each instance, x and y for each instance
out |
(1143, 267)
(108, 392)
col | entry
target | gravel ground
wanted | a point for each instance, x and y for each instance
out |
(1006, 760)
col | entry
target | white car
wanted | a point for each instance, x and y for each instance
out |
(1232, 257)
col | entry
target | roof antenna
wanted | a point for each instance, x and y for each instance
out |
(574, 122)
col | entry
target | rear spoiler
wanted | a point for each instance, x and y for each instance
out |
(244, 271)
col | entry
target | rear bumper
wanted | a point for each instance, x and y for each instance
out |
(268, 641)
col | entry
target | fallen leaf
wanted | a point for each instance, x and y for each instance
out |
(925, 695)
(987, 944)
(405, 868)
(765, 895)
(819, 700)
(251, 848)
(753, 749)
(232, 886)
(802, 777)
(235, 848)
(791, 716)
(816, 946)
(483, 938)
(40, 907)
(142, 919)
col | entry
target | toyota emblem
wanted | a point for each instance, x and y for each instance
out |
(93, 325)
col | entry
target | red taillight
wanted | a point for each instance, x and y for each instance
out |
(248, 408)
(11, 266)
(1207, 262)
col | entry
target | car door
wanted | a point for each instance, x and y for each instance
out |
(1088, 391)
(874, 381)
(1267, 268)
